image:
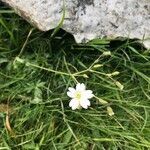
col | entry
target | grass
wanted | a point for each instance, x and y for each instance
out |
(36, 70)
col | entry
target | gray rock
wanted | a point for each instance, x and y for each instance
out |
(89, 19)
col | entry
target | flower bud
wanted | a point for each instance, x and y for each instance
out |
(107, 53)
(102, 101)
(110, 111)
(113, 74)
(120, 86)
(97, 66)
(85, 76)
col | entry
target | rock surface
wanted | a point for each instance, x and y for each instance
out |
(89, 19)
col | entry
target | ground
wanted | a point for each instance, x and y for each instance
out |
(36, 69)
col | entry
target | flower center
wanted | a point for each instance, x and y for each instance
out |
(78, 95)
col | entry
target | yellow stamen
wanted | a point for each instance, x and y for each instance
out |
(78, 95)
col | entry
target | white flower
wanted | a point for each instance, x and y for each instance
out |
(80, 96)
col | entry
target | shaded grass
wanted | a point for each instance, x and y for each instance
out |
(42, 73)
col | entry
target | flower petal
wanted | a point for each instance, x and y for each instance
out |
(71, 89)
(88, 94)
(70, 94)
(74, 104)
(80, 87)
(85, 103)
